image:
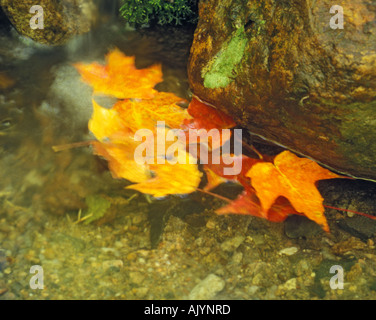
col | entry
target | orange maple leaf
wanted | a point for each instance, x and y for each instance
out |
(120, 78)
(247, 203)
(293, 178)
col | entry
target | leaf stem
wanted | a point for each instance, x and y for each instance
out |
(214, 195)
(252, 148)
(352, 211)
(68, 146)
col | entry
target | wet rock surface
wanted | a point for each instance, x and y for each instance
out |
(360, 227)
(299, 226)
(62, 19)
(285, 74)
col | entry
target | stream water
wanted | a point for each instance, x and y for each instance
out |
(141, 249)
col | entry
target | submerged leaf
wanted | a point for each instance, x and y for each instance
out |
(293, 178)
(178, 178)
(121, 161)
(120, 78)
(97, 208)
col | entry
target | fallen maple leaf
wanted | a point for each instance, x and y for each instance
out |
(130, 115)
(206, 117)
(247, 203)
(121, 162)
(179, 178)
(214, 180)
(216, 172)
(120, 78)
(271, 190)
(145, 114)
(293, 178)
(105, 122)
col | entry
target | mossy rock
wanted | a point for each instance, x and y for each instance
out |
(62, 19)
(284, 74)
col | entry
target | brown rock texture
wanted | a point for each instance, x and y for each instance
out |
(285, 74)
(62, 18)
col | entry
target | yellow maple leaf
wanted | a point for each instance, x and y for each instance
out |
(105, 122)
(145, 113)
(120, 78)
(214, 180)
(130, 115)
(121, 162)
(179, 178)
(293, 178)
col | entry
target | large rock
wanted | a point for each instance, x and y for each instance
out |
(286, 75)
(62, 18)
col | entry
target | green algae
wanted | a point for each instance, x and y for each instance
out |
(222, 69)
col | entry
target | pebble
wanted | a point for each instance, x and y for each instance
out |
(136, 277)
(288, 285)
(298, 226)
(131, 256)
(253, 289)
(288, 251)
(207, 289)
(112, 263)
(361, 227)
(237, 258)
(137, 219)
(140, 292)
(7, 271)
(232, 244)
(3, 290)
(210, 224)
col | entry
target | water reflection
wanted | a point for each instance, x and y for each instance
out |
(44, 103)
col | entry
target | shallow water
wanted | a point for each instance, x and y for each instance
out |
(141, 249)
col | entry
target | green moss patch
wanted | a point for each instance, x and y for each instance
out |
(222, 69)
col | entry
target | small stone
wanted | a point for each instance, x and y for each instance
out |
(299, 226)
(3, 290)
(352, 208)
(140, 292)
(136, 277)
(49, 254)
(237, 258)
(137, 219)
(288, 251)
(232, 244)
(118, 244)
(7, 271)
(112, 264)
(353, 288)
(210, 224)
(131, 256)
(253, 289)
(207, 289)
(288, 285)
(354, 273)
